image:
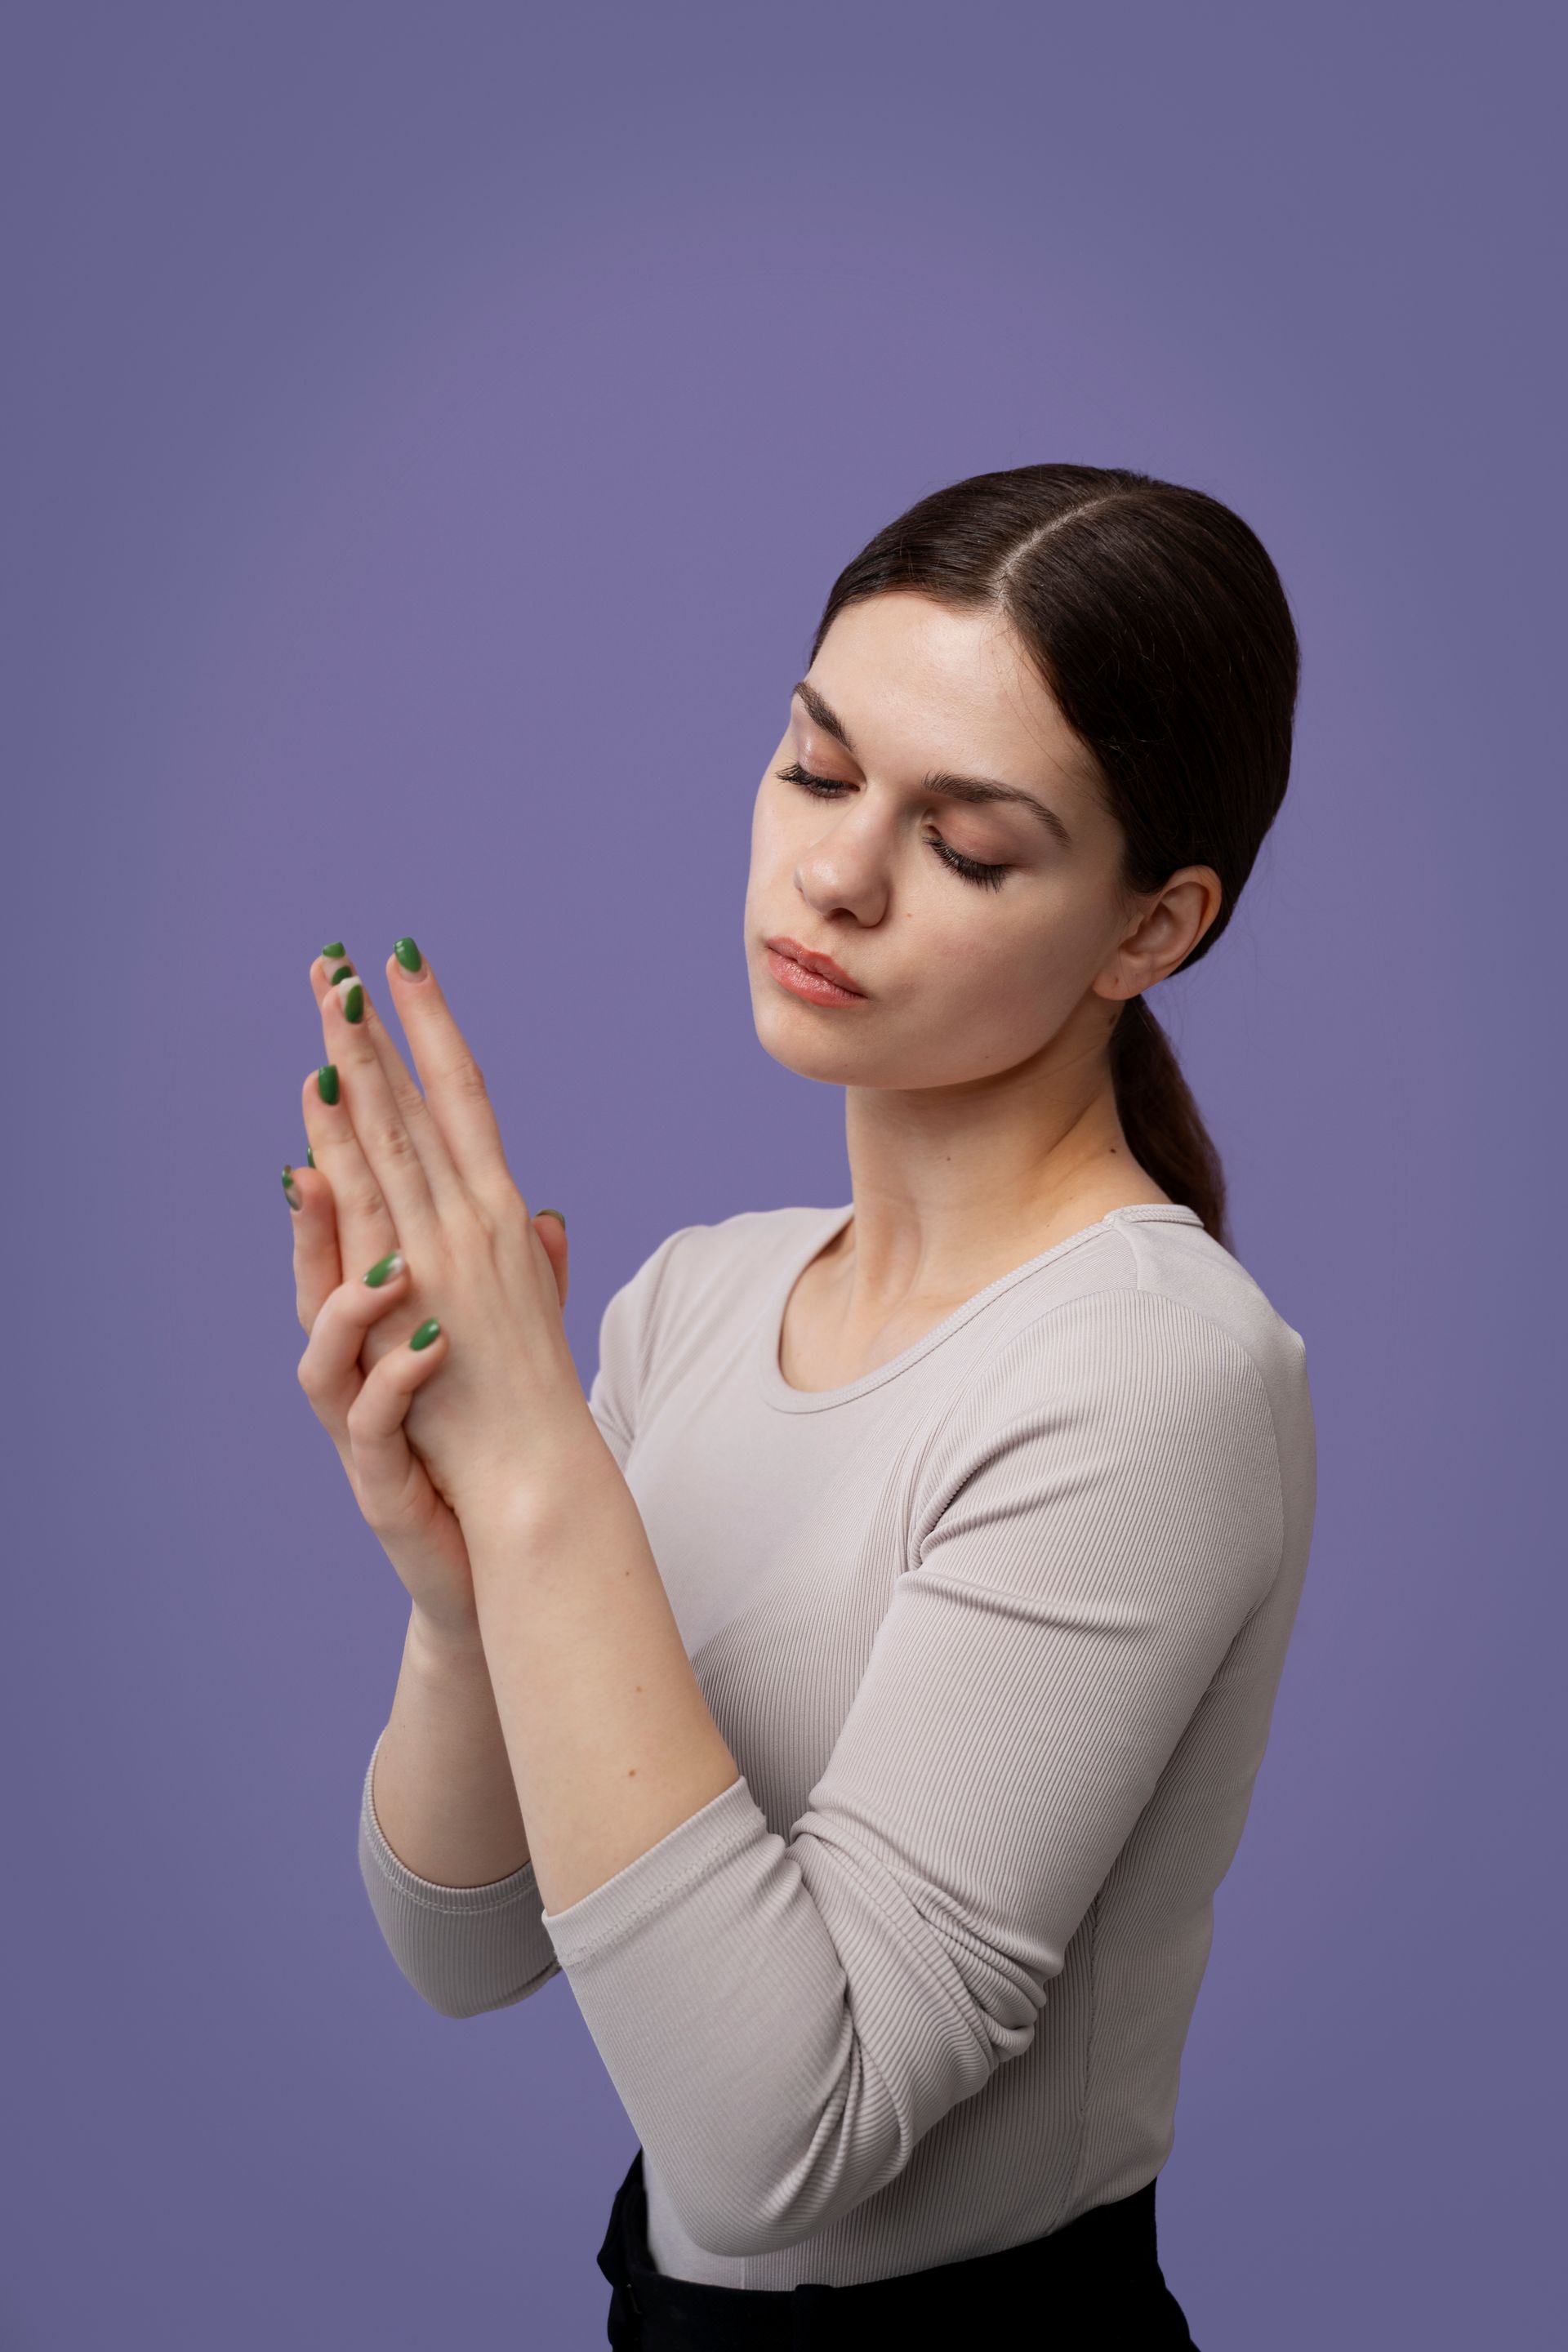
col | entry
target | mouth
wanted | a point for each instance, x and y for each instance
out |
(824, 968)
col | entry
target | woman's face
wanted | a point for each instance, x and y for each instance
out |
(872, 861)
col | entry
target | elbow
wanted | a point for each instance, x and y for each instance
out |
(448, 2001)
(444, 2005)
(723, 2230)
(741, 2224)
(760, 2189)
(757, 2199)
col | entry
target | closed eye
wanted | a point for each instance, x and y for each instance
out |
(969, 869)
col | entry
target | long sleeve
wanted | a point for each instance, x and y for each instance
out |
(468, 1949)
(464, 1949)
(1086, 1531)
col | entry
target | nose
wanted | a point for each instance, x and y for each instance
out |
(845, 869)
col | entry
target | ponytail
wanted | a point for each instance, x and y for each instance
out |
(1164, 1132)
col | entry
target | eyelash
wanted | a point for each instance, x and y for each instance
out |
(968, 869)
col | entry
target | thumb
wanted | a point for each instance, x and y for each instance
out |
(550, 1227)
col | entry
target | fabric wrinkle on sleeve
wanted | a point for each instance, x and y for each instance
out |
(784, 2019)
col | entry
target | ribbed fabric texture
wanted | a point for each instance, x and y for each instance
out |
(994, 1634)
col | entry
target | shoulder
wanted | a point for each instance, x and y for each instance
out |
(1212, 1328)
(1147, 1353)
(1151, 1306)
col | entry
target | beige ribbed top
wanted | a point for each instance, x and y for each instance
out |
(993, 1633)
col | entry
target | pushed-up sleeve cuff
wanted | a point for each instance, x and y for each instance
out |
(668, 1875)
(464, 1949)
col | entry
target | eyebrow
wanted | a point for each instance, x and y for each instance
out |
(945, 785)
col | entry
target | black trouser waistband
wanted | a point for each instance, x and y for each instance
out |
(1096, 2282)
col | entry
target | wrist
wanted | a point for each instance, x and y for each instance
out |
(443, 1642)
(530, 1502)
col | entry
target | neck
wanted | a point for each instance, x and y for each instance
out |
(952, 1185)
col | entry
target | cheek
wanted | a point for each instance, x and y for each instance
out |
(771, 858)
(1003, 976)
(776, 843)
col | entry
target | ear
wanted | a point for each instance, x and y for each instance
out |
(1173, 921)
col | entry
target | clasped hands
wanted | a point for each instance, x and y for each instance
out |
(436, 1355)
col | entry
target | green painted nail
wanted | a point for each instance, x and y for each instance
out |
(407, 954)
(309, 1155)
(290, 1191)
(385, 1268)
(552, 1213)
(327, 1082)
(344, 971)
(333, 951)
(353, 1003)
(425, 1333)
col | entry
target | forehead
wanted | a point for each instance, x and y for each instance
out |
(920, 682)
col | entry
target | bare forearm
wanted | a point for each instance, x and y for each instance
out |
(611, 1741)
(444, 1792)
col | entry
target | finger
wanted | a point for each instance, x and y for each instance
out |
(383, 1463)
(550, 1227)
(317, 1268)
(454, 1083)
(366, 1229)
(366, 1222)
(325, 971)
(334, 962)
(329, 1370)
(392, 1154)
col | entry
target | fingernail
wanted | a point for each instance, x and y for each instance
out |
(353, 1003)
(425, 1333)
(309, 1155)
(552, 1213)
(333, 953)
(407, 954)
(327, 1082)
(385, 1268)
(291, 1190)
(344, 971)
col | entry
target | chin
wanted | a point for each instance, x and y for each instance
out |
(812, 1051)
(798, 1042)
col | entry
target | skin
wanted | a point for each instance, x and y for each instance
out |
(980, 1116)
(343, 1227)
(545, 1680)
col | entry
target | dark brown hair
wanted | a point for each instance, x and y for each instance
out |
(1161, 628)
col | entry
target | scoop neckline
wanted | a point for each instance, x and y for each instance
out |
(778, 1391)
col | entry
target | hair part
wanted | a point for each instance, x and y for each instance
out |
(1159, 624)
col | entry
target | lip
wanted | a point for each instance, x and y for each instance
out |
(824, 965)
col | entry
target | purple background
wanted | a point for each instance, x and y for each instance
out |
(433, 432)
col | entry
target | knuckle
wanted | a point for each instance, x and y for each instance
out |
(468, 1081)
(364, 1203)
(391, 1142)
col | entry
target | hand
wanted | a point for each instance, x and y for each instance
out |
(341, 1219)
(345, 1224)
(507, 1410)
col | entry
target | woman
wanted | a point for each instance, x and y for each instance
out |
(860, 1694)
